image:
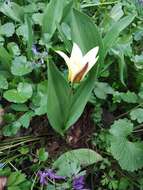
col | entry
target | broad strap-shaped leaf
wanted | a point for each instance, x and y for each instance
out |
(5, 58)
(80, 99)
(30, 36)
(64, 38)
(13, 10)
(72, 161)
(129, 154)
(112, 35)
(52, 16)
(58, 98)
(40, 99)
(87, 38)
(121, 61)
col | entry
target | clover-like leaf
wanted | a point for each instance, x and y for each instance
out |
(26, 118)
(129, 154)
(11, 129)
(13, 49)
(42, 154)
(20, 66)
(102, 89)
(20, 95)
(40, 99)
(7, 29)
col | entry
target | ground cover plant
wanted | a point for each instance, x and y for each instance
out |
(71, 95)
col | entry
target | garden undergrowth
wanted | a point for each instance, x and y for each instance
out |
(71, 95)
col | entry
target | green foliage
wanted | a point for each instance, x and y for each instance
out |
(129, 154)
(112, 89)
(108, 180)
(111, 37)
(52, 17)
(82, 94)
(69, 107)
(7, 29)
(13, 10)
(70, 162)
(58, 99)
(101, 90)
(3, 82)
(19, 95)
(5, 58)
(40, 99)
(129, 97)
(26, 118)
(97, 114)
(20, 66)
(17, 181)
(137, 114)
(88, 37)
(42, 154)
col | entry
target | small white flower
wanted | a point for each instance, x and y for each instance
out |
(79, 65)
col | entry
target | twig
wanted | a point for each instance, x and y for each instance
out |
(139, 130)
(13, 166)
(98, 4)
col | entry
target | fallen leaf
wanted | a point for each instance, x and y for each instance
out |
(3, 181)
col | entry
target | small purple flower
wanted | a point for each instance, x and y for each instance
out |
(79, 183)
(43, 177)
(49, 173)
(2, 165)
(52, 175)
(34, 49)
(140, 1)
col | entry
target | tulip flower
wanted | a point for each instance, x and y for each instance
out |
(79, 65)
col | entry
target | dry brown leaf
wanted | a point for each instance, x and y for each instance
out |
(3, 181)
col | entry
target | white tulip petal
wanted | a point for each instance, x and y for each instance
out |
(73, 71)
(79, 76)
(90, 55)
(91, 58)
(76, 55)
(79, 65)
(91, 64)
(64, 56)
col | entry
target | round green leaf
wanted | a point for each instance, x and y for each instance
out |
(20, 66)
(21, 95)
(7, 29)
(25, 89)
(137, 114)
(129, 154)
(13, 96)
(70, 162)
(3, 82)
